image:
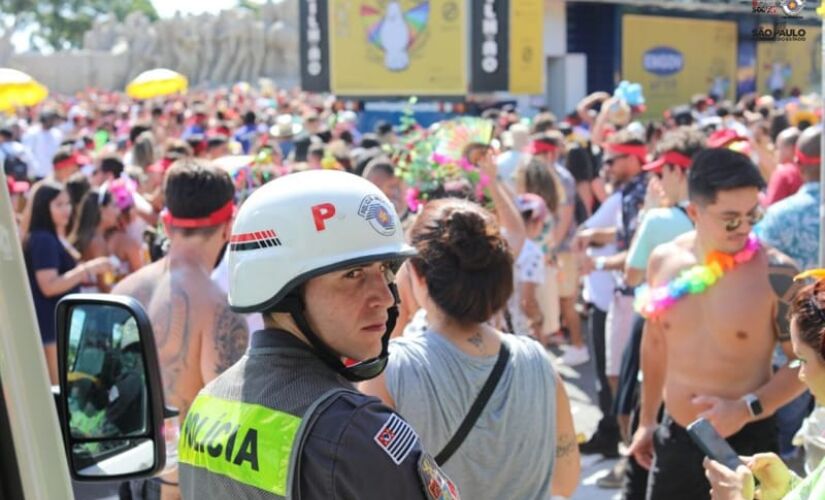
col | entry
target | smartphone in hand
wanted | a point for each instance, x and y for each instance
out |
(712, 444)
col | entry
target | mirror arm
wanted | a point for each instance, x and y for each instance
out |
(170, 411)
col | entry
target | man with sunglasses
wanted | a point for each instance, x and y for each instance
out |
(708, 352)
(659, 225)
(624, 155)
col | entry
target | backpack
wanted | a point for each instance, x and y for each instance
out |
(15, 167)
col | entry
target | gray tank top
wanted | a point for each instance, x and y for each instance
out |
(510, 451)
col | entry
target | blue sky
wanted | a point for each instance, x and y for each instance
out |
(167, 8)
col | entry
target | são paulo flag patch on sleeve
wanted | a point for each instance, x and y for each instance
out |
(396, 438)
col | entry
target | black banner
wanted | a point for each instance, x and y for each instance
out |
(314, 45)
(489, 45)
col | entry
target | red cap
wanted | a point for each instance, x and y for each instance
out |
(637, 150)
(76, 159)
(541, 147)
(724, 138)
(669, 158)
(803, 159)
(160, 166)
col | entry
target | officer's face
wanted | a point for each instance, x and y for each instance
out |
(348, 308)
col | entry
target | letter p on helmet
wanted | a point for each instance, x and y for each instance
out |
(321, 213)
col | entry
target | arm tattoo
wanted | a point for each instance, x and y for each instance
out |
(231, 338)
(476, 340)
(781, 271)
(565, 445)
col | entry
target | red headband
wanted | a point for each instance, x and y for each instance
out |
(637, 150)
(541, 147)
(219, 216)
(804, 159)
(669, 158)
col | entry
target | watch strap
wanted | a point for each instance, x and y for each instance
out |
(754, 405)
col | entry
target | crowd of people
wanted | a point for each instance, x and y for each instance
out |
(662, 252)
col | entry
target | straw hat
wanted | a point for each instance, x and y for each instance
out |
(286, 126)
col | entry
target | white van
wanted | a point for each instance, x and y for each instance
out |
(106, 421)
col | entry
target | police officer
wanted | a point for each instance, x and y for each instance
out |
(314, 252)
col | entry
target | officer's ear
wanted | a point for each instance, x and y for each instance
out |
(226, 230)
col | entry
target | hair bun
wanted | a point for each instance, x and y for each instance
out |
(469, 238)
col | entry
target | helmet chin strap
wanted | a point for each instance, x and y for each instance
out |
(364, 370)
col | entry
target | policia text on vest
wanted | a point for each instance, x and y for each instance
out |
(225, 437)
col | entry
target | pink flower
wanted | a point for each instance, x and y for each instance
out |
(440, 159)
(121, 190)
(484, 180)
(412, 199)
(465, 164)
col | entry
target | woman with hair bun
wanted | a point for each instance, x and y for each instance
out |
(775, 479)
(463, 276)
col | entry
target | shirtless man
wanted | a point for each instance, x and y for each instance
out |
(709, 355)
(197, 335)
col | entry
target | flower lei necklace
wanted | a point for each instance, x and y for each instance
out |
(651, 303)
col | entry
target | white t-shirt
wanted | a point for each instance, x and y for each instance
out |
(599, 286)
(529, 268)
(43, 145)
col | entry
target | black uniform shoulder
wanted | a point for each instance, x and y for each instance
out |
(357, 447)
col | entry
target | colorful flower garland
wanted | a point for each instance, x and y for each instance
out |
(430, 161)
(651, 303)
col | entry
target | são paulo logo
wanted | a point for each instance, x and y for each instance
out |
(378, 213)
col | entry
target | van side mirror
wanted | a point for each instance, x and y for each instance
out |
(111, 396)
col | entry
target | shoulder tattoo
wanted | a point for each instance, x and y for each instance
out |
(231, 338)
(781, 271)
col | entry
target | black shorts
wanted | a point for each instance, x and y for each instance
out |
(677, 472)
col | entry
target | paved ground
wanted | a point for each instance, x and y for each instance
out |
(581, 388)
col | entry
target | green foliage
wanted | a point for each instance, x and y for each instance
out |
(60, 24)
(250, 6)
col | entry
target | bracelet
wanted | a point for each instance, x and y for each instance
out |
(85, 269)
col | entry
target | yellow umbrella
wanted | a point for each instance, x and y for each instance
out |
(19, 89)
(156, 82)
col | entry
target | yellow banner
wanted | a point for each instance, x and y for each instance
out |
(398, 48)
(789, 64)
(675, 58)
(526, 46)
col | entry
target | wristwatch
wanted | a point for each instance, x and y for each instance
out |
(599, 263)
(754, 405)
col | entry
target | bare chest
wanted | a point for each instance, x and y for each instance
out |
(733, 317)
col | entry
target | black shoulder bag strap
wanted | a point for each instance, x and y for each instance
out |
(684, 211)
(478, 406)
